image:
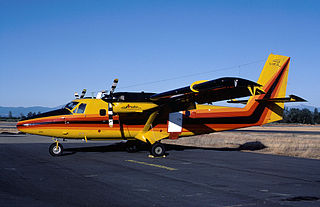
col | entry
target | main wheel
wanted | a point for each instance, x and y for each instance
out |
(158, 149)
(54, 150)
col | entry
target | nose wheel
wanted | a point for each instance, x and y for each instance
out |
(56, 149)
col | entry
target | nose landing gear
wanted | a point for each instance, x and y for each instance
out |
(56, 149)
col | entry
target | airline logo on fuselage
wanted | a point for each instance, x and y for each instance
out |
(132, 107)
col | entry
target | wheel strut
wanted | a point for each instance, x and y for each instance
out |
(56, 148)
(158, 149)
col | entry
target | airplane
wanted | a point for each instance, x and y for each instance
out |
(151, 117)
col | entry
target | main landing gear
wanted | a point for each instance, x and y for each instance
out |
(56, 149)
(158, 149)
(132, 146)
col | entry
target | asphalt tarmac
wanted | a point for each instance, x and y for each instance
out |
(104, 174)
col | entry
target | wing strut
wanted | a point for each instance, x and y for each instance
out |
(142, 135)
(150, 134)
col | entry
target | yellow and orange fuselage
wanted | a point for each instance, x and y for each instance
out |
(131, 118)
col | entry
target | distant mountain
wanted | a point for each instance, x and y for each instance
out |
(16, 111)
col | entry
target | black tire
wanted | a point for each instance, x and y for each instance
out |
(131, 146)
(158, 149)
(54, 151)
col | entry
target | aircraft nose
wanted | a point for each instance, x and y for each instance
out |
(22, 126)
(25, 124)
(28, 124)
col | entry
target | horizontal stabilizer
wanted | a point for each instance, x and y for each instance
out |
(238, 101)
(291, 98)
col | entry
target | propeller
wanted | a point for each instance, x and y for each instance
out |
(100, 94)
(110, 106)
(83, 93)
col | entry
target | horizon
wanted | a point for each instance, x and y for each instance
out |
(52, 49)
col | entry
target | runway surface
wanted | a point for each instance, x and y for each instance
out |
(103, 174)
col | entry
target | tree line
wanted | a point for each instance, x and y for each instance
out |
(10, 117)
(302, 116)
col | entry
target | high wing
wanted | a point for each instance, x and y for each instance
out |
(207, 92)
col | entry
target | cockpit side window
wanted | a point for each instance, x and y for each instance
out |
(75, 110)
(71, 105)
(81, 108)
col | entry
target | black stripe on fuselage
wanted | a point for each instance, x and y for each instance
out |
(68, 123)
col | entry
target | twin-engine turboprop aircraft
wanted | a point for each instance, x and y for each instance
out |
(151, 117)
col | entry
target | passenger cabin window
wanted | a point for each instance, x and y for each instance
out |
(75, 110)
(103, 112)
(81, 108)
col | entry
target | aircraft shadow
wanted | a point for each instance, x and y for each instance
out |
(277, 131)
(121, 147)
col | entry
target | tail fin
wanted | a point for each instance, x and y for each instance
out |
(273, 78)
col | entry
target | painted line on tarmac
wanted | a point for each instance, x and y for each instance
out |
(153, 165)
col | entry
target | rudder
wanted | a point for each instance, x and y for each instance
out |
(273, 79)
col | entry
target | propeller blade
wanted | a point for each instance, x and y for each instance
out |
(114, 85)
(110, 107)
(76, 95)
(110, 113)
(83, 93)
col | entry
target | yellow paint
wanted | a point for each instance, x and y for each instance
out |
(271, 68)
(93, 105)
(195, 83)
(132, 107)
(152, 135)
(153, 165)
(256, 90)
(145, 134)
(153, 157)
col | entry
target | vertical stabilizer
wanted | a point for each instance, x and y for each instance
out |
(273, 78)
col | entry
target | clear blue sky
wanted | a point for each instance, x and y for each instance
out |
(50, 49)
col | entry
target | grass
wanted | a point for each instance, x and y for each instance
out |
(8, 127)
(289, 144)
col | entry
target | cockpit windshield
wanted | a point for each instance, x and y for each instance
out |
(71, 105)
